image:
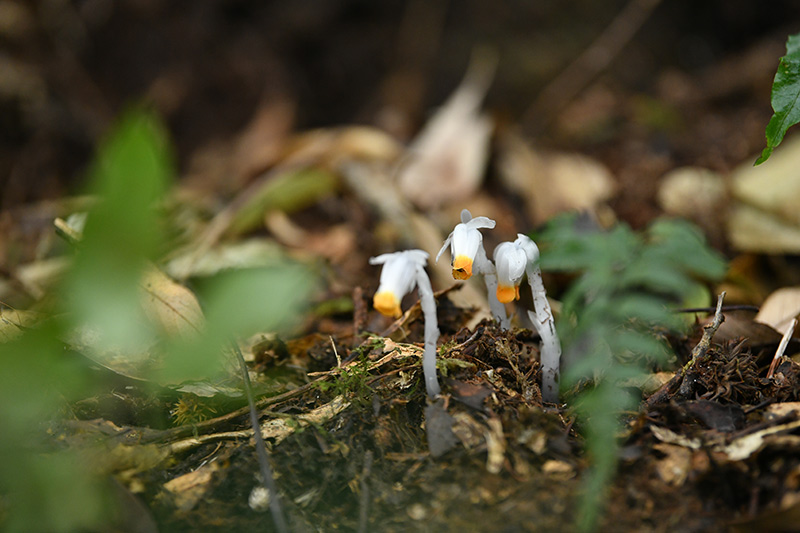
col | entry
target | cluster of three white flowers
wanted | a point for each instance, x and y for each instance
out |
(402, 271)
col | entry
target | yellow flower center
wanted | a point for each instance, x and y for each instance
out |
(462, 267)
(506, 293)
(387, 304)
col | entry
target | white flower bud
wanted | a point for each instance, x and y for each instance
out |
(398, 278)
(510, 261)
(464, 242)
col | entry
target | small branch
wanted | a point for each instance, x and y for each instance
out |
(709, 330)
(781, 348)
(363, 507)
(261, 449)
(678, 384)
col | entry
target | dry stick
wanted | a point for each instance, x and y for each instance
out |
(781, 348)
(363, 507)
(595, 59)
(699, 351)
(709, 330)
(179, 432)
(268, 479)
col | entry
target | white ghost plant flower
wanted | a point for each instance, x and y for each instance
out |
(512, 259)
(469, 256)
(401, 272)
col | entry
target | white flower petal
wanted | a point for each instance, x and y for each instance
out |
(510, 260)
(398, 278)
(527, 244)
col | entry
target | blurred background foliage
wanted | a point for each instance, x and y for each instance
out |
(44, 487)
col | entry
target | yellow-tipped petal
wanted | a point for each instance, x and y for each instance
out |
(506, 293)
(462, 267)
(387, 304)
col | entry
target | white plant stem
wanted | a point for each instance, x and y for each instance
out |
(550, 348)
(428, 304)
(487, 269)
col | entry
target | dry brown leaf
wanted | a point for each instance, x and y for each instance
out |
(447, 159)
(779, 410)
(674, 468)
(744, 447)
(552, 183)
(766, 218)
(169, 305)
(189, 488)
(780, 308)
(14, 322)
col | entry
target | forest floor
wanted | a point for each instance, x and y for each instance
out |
(340, 395)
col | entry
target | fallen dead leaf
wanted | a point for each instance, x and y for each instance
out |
(744, 447)
(447, 159)
(779, 410)
(188, 489)
(674, 468)
(552, 183)
(780, 308)
(171, 306)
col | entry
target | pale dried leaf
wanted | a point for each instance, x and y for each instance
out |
(188, 489)
(751, 229)
(447, 160)
(674, 468)
(780, 308)
(689, 191)
(552, 183)
(169, 305)
(670, 437)
(278, 429)
(744, 447)
(778, 410)
(772, 188)
(14, 322)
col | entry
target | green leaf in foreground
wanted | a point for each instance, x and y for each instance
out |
(785, 97)
(239, 303)
(625, 285)
(129, 176)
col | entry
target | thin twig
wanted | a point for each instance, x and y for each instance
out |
(363, 508)
(725, 309)
(268, 479)
(678, 385)
(709, 330)
(781, 348)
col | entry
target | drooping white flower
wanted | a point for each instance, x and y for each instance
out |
(401, 272)
(466, 243)
(398, 278)
(510, 261)
(466, 249)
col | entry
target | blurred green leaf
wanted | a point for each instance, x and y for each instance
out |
(45, 489)
(625, 285)
(785, 97)
(130, 174)
(239, 303)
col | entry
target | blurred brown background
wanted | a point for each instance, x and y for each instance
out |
(690, 87)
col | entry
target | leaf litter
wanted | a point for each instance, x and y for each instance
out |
(354, 442)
